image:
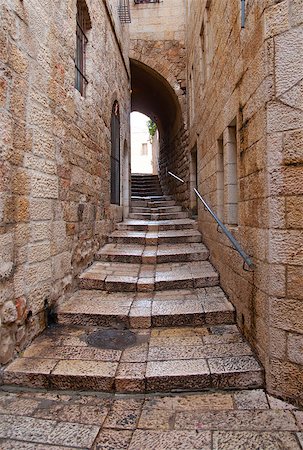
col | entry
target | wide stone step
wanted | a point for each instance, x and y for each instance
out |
(146, 360)
(136, 253)
(162, 216)
(155, 237)
(115, 277)
(152, 198)
(157, 225)
(195, 307)
(156, 209)
(155, 203)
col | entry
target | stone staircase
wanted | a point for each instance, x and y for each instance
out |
(149, 316)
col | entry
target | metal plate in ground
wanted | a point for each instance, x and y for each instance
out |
(112, 339)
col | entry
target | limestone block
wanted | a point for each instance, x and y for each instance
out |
(41, 209)
(18, 60)
(286, 181)
(281, 117)
(45, 186)
(286, 314)
(39, 251)
(296, 12)
(37, 295)
(276, 19)
(295, 348)
(294, 282)
(9, 313)
(38, 272)
(278, 343)
(40, 231)
(285, 247)
(288, 59)
(293, 147)
(6, 270)
(286, 378)
(7, 346)
(40, 165)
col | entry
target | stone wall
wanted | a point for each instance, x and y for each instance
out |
(246, 119)
(55, 155)
(157, 36)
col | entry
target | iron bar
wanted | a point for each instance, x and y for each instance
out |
(227, 233)
(175, 176)
(235, 243)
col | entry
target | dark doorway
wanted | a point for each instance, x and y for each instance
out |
(115, 155)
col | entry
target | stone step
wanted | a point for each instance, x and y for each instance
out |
(136, 253)
(162, 216)
(137, 361)
(152, 198)
(155, 238)
(131, 277)
(155, 209)
(154, 204)
(157, 225)
(194, 307)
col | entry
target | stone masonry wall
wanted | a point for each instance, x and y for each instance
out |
(246, 118)
(157, 35)
(55, 155)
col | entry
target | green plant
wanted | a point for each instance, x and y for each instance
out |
(152, 128)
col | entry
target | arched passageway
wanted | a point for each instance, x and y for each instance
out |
(155, 97)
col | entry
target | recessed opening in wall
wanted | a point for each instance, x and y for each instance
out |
(220, 179)
(231, 174)
(144, 144)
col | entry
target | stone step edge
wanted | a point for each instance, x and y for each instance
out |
(245, 379)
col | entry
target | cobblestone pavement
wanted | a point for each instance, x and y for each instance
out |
(230, 420)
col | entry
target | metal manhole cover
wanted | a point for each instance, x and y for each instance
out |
(112, 339)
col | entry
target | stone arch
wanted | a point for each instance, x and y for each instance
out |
(164, 102)
(165, 58)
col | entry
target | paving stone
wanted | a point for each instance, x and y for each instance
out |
(276, 403)
(113, 440)
(255, 399)
(264, 420)
(194, 402)
(237, 440)
(47, 431)
(124, 414)
(150, 440)
(10, 444)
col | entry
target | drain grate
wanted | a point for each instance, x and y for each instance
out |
(112, 339)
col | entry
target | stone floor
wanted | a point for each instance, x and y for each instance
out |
(234, 420)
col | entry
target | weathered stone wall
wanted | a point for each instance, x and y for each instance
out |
(55, 155)
(157, 36)
(251, 79)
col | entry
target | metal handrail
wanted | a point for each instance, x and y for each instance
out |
(227, 233)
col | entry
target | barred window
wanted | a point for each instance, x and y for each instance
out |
(115, 155)
(83, 26)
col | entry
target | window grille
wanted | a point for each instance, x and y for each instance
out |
(138, 2)
(115, 155)
(124, 11)
(83, 24)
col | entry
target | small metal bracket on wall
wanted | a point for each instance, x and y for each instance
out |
(242, 14)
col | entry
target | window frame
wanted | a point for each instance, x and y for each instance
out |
(82, 20)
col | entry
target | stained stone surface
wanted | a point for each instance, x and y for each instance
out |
(210, 421)
(156, 359)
